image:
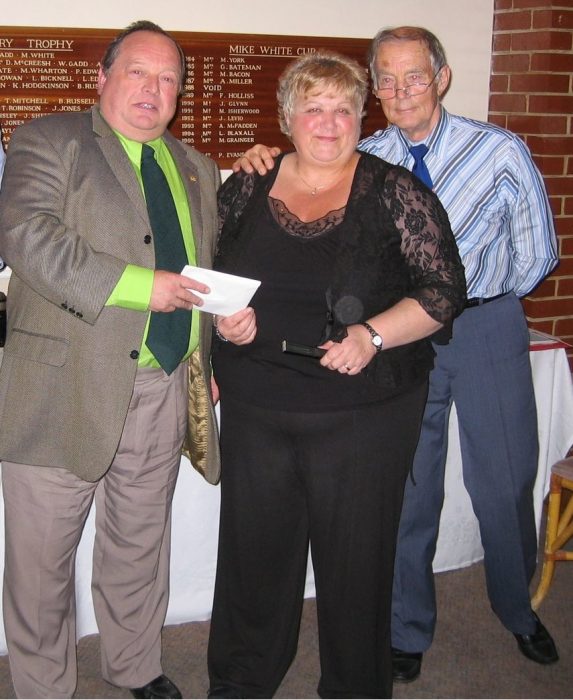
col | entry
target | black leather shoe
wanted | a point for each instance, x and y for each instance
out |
(160, 687)
(406, 665)
(539, 646)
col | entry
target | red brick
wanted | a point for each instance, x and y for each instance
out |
(530, 41)
(510, 63)
(565, 246)
(559, 186)
(553, 62)
(554, 19)
(549, 308)
(565, 289)
(556, 204)
(501, 42)
(564, 224)
(504, 21)
(526, 307)
(566, 267)
(564, 328)
(527, 124)
(499, 83)
(545, 125)
(543, 326)
(522, 4)
(539, 82)
(507, 103)
(550, 165)
(548, 288)
(553, 276)
(551, 145)
(554, 104)
(498, 119)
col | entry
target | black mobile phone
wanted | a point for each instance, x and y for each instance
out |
(298, 349)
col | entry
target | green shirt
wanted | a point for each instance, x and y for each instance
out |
(133, 290)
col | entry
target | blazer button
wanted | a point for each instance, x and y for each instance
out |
(72, 310)
(79, 314)
(64, 305)
(134, 354)
(147, 239)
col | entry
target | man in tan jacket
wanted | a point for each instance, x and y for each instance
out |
(87, 409)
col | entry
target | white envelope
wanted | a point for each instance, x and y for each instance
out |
(229, 293)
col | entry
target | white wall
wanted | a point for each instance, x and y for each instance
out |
(464, 26)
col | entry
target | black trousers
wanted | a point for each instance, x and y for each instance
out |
(336, 479)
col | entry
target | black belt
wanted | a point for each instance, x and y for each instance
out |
(478, 301)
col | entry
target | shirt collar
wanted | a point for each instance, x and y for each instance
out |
(436, 141)
(133, 148)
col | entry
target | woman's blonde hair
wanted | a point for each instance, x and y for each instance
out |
(317, 72)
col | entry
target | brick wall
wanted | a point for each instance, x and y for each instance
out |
(531, 93)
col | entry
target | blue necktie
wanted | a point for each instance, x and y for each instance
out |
(420, 170)
(168, 333)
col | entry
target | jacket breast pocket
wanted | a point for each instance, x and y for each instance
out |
(37, 347)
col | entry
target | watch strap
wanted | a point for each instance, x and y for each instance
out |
(376, 337)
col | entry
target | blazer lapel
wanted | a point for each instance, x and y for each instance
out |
(119, 163)
(123, 172)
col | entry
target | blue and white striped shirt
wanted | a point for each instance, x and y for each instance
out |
(494, 196)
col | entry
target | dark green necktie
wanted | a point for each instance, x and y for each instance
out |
(168, 333)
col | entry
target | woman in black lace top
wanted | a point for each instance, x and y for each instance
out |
(356, 257)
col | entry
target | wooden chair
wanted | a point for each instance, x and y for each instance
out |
(559, 526)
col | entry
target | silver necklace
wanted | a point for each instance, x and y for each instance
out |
(315, 189)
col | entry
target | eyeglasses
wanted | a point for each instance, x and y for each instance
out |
(409, 90)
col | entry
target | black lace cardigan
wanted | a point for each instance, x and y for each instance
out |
(398, 244)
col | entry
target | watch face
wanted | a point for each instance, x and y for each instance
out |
(376, 339)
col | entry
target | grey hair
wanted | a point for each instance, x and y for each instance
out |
(142, 25)
(424, 36)
(320, 70)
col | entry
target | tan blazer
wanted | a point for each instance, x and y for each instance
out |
(72, 215)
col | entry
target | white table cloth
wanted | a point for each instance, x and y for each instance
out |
(459, 542)
(196, 508)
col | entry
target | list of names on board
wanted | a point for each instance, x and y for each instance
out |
(228, 104)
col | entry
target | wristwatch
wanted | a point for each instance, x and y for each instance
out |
(376, 337)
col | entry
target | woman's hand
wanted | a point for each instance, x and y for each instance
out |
(239, 328)
(351, 355)
(403, 323)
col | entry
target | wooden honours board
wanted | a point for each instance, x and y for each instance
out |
(230, 94)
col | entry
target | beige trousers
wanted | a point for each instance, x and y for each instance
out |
(46, 509)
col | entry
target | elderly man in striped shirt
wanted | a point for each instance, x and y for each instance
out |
(499, 212)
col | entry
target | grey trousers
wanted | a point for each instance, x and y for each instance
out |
(46, 509)
(485, 370)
